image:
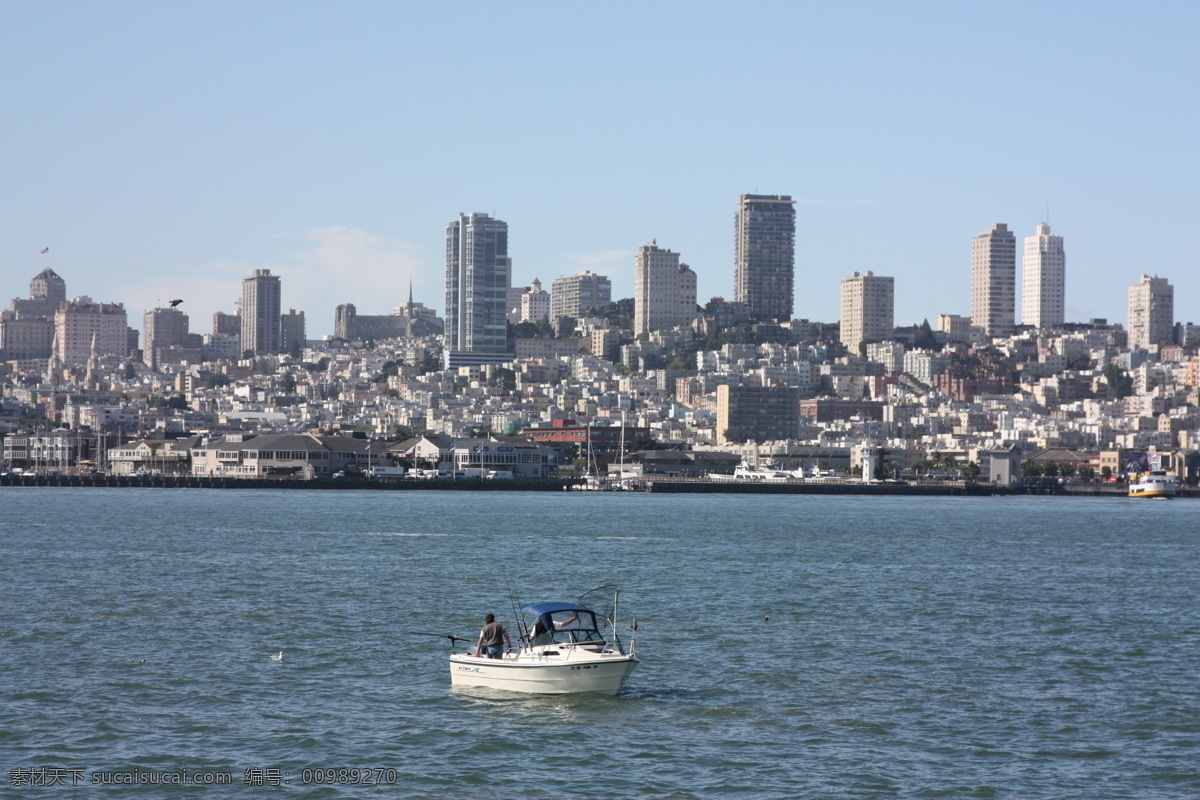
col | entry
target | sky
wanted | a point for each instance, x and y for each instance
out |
(167, 150)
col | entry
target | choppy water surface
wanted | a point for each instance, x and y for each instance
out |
(824, 647)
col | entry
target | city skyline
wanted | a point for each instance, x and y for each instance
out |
(1015, 284)
(153, 171)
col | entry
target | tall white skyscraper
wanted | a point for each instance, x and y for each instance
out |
(1043, 276)
(261, 295)
(664, 290)
(764, 263)
(868, 303)
(1151, 312)
(993, 280)
(478, 277)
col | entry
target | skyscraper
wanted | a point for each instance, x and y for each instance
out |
(573, 295)
(993, 280)
(478, 277)
(49, 287)
(260, 313)
(27, 326)
(1151, 312)
(162, 328)
(868, 303)
(81, 324)
(1042, 279)
(765, 255)
(664, 290)
(291, 332)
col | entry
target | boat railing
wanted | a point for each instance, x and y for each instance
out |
(597, 646)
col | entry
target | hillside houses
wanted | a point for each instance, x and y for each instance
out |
(1080, 389)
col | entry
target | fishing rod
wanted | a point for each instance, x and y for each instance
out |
(453, 639)
(512, 599)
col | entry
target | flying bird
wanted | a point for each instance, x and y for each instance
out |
(175, 303)
(277, 657)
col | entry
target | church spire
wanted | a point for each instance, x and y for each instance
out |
(93, 363)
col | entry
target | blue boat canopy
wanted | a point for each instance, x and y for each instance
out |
(548, 608)
(560, 622)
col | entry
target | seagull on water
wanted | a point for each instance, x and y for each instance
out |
(277, 657)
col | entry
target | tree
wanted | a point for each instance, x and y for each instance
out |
(1079, 362)
(523, 330)
(1119, 380)
(737, 435)
(652, 361)
(970, 470)
(504, 378)
(862, 346)
(430, 362)
(925, 338)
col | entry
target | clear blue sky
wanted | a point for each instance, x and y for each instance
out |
(166, 150)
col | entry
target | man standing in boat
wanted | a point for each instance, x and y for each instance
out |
(490, 637)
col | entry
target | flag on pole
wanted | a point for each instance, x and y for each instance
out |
(368, 447)
(45, 250)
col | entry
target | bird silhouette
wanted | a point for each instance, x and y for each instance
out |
(175, 303)
(277, 657)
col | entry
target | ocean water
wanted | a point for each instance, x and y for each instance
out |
(792, 647)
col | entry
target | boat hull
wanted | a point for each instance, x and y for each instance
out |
(603, 674)
(1153, 493)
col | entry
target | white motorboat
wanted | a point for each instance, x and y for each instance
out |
(1155, 483)
(563, 648)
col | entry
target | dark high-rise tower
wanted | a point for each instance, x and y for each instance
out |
(261, 333)
(765, 258)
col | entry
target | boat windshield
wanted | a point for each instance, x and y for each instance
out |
(564, 626)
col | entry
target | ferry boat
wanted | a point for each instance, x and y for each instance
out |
(564, 648)
(1155, 483)
(745, 472)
